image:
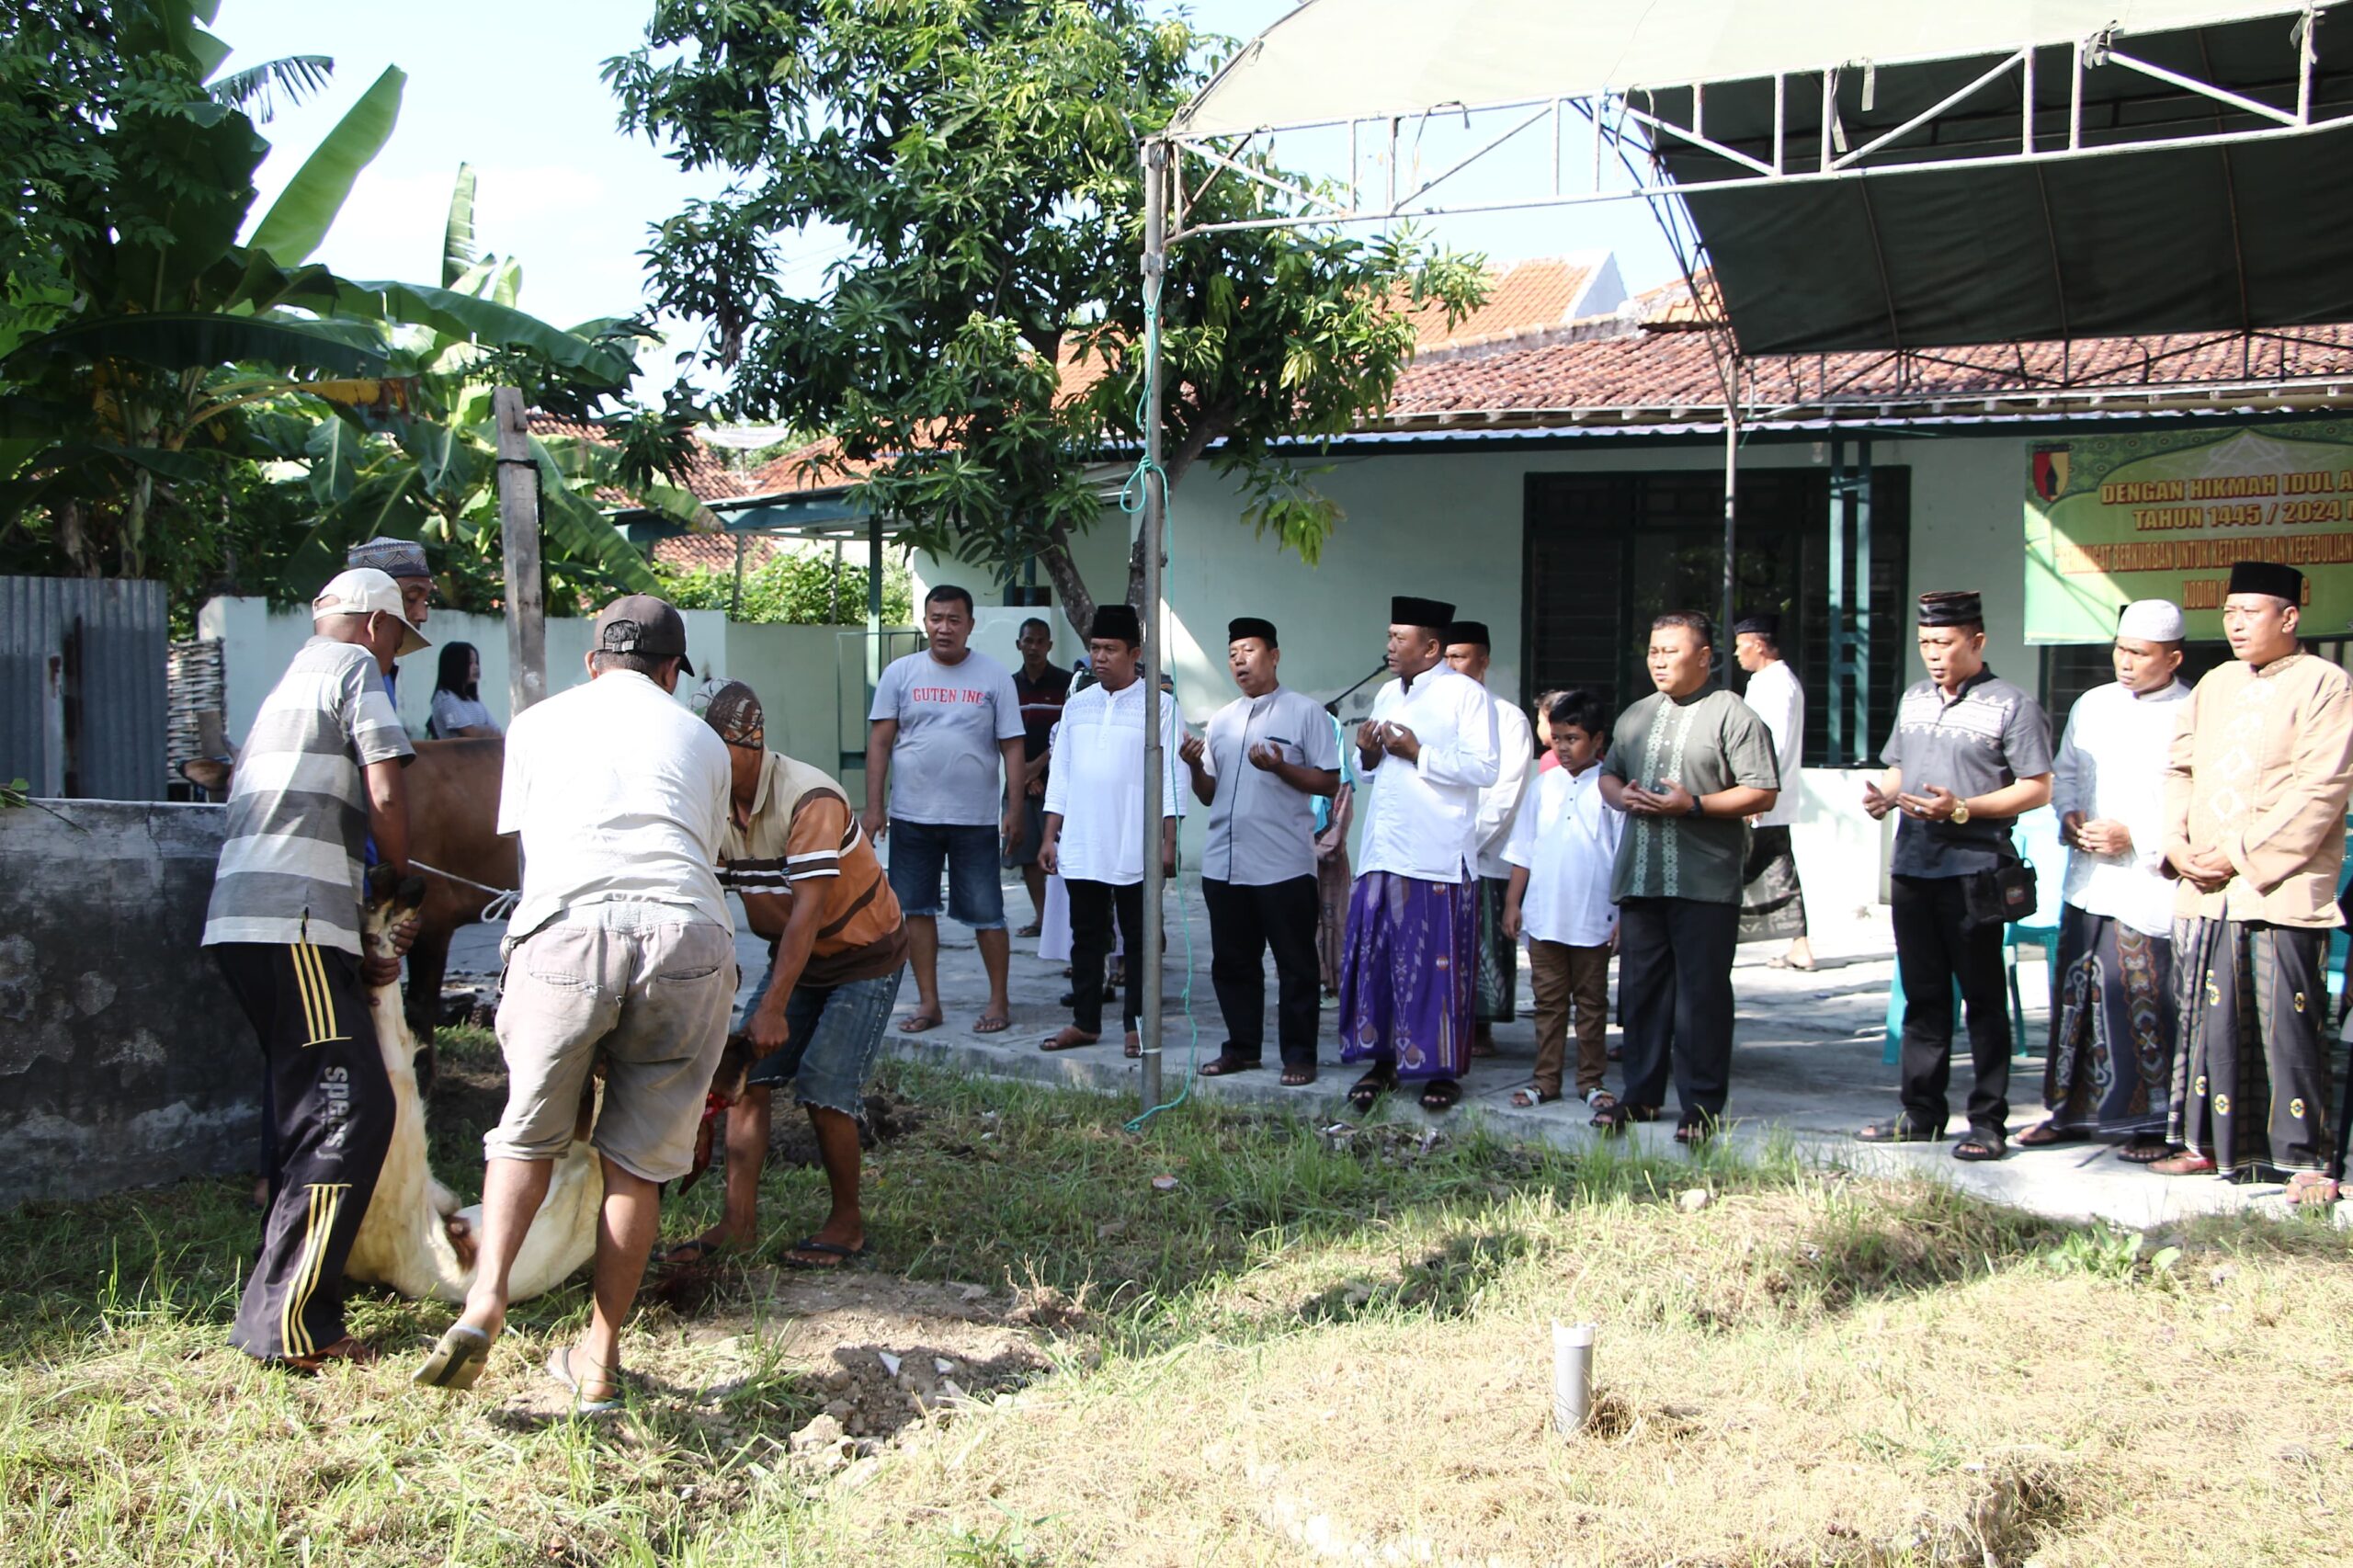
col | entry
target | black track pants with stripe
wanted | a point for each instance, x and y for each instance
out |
(331, 1120)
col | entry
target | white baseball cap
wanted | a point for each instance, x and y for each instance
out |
(363, 590)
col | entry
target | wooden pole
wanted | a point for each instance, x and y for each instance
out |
(518, 530)
(1155, 504)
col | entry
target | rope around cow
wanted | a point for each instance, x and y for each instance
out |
(501, 901)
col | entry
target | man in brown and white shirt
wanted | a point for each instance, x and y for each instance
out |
(837, 946)
(2255, 813)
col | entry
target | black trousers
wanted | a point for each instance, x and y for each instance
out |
(1092, 906)
(1244, 923)
(330, 1107)
(1936, 946)
(1675, 988)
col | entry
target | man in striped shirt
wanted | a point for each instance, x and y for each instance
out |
(837, 945)
(321, 771)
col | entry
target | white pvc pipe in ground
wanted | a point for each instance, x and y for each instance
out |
(1572, 1377)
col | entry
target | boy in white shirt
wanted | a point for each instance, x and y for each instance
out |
(1563, 847)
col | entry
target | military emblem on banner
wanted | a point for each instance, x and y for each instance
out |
(2049, 473)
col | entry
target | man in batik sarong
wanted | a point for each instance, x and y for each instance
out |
(2254, 828)
(1688, 766)
(1772, 899)
(2110, 1062)
(1495, 992)
(1426, 752)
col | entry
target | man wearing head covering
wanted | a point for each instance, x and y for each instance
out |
(621, 949)
(1970, 755)
(1095, 821)
(1494, 998)
(2255, 830)
(1261, 765)
(320, 769)
(1688, 765)
(402, 559)
(811, 885)
(2110, 1061)
(1772, 899)
(1408, 972)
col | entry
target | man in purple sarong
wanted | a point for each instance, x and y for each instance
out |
(1410, 964)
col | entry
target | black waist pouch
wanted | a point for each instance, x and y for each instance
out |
(2002, 896)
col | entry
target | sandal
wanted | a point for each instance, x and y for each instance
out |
(1900, 1129)
(693, 1254)
(1602, 1103)
(2311, 1188)
(2187, 1162)
(1368, 1089)
(1534, 1095)
(2143, 1152)
(1980, 1144)
(1441, 1093)
(1228, 1060)
(560, 1368)
(1613, 1122)
(1694, 1133)
(1133, 1049)
(2044, 1133)
(346, 1349)
(1298, 1077)
(843, 1257)
(456, 1359)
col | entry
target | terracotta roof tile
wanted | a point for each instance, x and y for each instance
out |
(708, 473)
(1530, 294)
(713, 552)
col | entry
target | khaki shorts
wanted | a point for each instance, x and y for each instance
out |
(646, 986)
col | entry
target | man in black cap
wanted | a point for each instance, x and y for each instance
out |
(1265, 759)
(1095, 821)
(1407, 978)
(621, 949)
(2255, 808)
(1970, 755)
(1772, 901)
(1470, 652)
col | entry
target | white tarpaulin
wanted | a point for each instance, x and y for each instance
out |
(1337, 60)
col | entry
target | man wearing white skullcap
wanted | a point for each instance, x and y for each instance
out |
(2110, 1062)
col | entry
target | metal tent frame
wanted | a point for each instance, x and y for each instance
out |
(1643, 131)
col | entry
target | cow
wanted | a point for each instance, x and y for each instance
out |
(414, 1238)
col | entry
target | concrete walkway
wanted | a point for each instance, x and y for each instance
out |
(1806, 1065)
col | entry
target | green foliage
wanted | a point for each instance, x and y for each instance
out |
(175, 405)
(982, 158)
(792, 589)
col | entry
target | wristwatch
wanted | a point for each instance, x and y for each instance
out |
(1959, 812)
(1698, 808)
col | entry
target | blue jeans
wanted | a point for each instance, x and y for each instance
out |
(836, 1032)
(918, 850)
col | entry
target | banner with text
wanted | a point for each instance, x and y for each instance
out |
(2162, 516)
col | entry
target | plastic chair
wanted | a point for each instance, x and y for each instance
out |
(2036, 837)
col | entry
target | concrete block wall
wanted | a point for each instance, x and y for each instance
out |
(124, 1060)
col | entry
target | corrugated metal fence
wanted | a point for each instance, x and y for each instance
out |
(82, 667)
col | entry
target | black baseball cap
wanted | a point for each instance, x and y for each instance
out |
(640, 623)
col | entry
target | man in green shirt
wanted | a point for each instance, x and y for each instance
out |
(1689, 767)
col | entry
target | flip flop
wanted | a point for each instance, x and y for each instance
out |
(1298, 1077)
(1055, 1042)
(2043, 1134)
(701, 1250)
(1227, 1062)
(2143, 1154)
(849, 1255)
(458, 1359)
(993, 1023)
(346, 1349)
(920, 1023)
(1026, 932)
(560, 1368)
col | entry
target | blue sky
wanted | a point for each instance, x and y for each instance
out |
(515, 91)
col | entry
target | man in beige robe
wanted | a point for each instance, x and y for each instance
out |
(2255, 812)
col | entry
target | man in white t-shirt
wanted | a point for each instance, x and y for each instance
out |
(945, 750)
(1772, 902)
(621, 947)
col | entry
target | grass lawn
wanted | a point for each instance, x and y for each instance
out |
(1307, 1350)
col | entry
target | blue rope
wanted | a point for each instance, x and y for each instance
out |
(1134, 495)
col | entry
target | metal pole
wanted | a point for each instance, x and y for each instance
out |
(518, 544)
(1731, 508)
(1155, 504)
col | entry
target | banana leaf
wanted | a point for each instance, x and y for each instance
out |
(574, 527)
(297, 222)
(179, 340)
(458, 253)
(492, 325)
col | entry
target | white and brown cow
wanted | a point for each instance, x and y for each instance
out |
(414, 1238)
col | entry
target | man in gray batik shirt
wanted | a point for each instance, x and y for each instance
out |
(1268, 753)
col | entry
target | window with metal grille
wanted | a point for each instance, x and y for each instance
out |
(1604, 553)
